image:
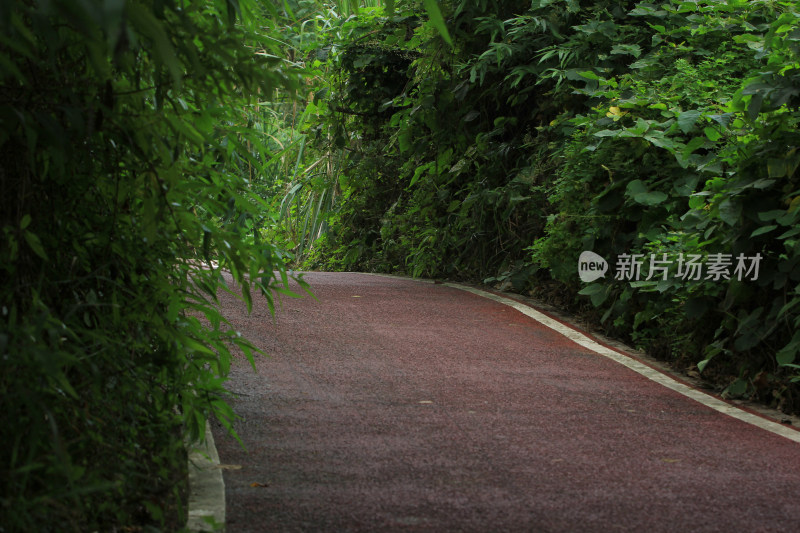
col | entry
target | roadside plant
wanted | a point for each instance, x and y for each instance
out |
(126, 161)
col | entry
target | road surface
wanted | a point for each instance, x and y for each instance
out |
(395, 405)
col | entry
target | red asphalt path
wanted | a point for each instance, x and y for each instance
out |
(393, 405)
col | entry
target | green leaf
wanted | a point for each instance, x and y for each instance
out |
(631, 49)
(35, 244)
(762, 230)
(405, 139)
(723, 119)
(777, 168)
(636, 187)
(661, 141)
(693, 145)
(596, 292)
(712, 133)
(766, 216)
(607, 133)
(737, 388)
(730, 211)
(687, 120)
(790, 233)
(697, 202)
(702, 364)
(145, 22)
(435, 16)
(754, 107)
(786, 356)
(650, 198)
(419, 172)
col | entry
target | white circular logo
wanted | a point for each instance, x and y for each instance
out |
(591, 266)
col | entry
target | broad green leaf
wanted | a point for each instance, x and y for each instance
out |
(754, 107)
(661, 141)
(642, 126)
(650, 198)
(596, 292)
(589, 290)
(697, 202)
(723, 119)
(737, 388)
(712, 133)
(687, 120)
(730, 211)
(693, 145)
(636, 187)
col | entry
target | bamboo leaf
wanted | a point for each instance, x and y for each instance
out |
(435, 17)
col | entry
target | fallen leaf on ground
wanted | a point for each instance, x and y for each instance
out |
(257, 484)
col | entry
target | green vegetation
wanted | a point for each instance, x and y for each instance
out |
(555, 126)
(127, 152)
(146, 145)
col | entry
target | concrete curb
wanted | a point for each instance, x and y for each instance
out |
(206, 487)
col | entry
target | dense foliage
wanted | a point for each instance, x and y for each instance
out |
(147, 144)
(125, 160)
(556, 126)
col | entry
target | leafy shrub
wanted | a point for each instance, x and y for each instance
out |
(557, 126)
(120, 178)
(680, 156)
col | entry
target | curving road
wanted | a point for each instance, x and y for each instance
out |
(394, 405)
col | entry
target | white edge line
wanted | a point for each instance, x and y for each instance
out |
(638, 367)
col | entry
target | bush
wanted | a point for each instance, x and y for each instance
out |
(557, 126)
(119, 184)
